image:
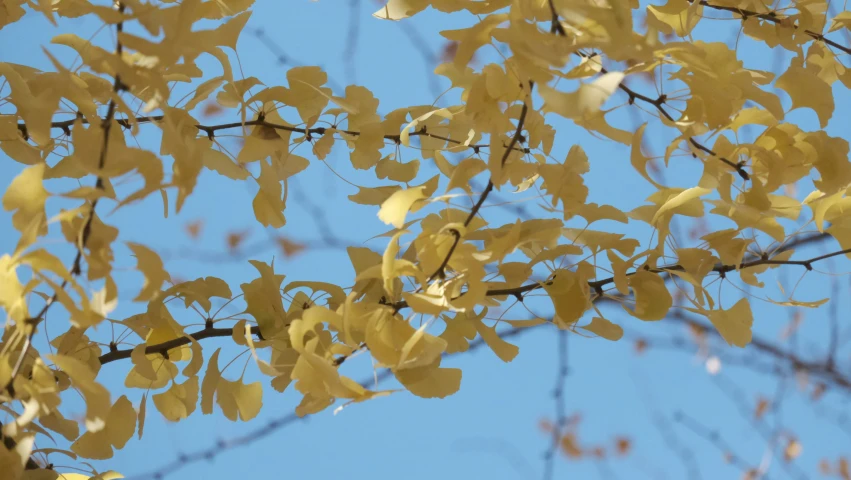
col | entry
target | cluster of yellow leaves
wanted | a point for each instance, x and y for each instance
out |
(461, 266)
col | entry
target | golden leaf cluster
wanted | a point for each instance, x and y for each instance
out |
(443, 264)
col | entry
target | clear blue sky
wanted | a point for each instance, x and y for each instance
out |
(490, 428)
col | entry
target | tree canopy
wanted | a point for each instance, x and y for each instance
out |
(754, 160)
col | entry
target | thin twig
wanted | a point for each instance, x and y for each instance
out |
(488, 189)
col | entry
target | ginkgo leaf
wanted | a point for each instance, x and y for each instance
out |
(604, 328)
(586, 100)
(676, 16)
(678, 200)
(652, 299)
(263, 302)
(26, 196)
(470, 39)
(142, 363)
(179, 401)
(121, 422)
(394, 210)
(151, 266)
(734, 324)
(268, 203)
(238, 400)
(430, 381)
(807, 90)
(143, 408)
(399, 9)
(504, 350)
(95, 394)
(405, 135)
(119, 427)
(570, 295)
(197, 360)
(210, 383)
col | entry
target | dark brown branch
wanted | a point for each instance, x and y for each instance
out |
(597, 285)
(210, 130)
(657, 103)
(774, 18)
(171, 344)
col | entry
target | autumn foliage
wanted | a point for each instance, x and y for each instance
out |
(443, 266)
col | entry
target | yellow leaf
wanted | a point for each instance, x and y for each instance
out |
(263, 299)
(373, 196)
(430, 381)
(570, 294)
(397, 171)
(679, 200)
(210, 383)
(93, 445)
(841, 20)
(151, 266)
(26, 196)
(420, 349)
(220, 163)
(164, 370)
(405, 135)
(142, 363)
(306, 92)
(394, 210)
(56, 422)
(268, 203)
(564, 182)
(807, 90)
(322, 146)
(734, 324)
(197, 361)
(472, 38)
(95, 394)
(200, 291)
(121, 422)
(638, 160)
(652, 299)
(586, 100)
(398, 9)
(143, 408)
(11, 291)
(604, 328)
(119, 427)
(426, 303)
(239, 400)
(676, 16)
(504, 350)
(179, 401)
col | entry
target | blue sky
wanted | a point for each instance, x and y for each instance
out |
(490, 429)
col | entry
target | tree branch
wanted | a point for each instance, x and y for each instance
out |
(597, 285)
(657, 103)
(164, 347)
(210, 130)
(774, 18)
